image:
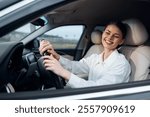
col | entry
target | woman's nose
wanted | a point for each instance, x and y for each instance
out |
(110, 37)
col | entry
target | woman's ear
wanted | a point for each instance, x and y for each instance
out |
(121, 42)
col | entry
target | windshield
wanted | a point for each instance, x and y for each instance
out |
(23, 31)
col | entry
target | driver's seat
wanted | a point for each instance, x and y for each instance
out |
(97, 47)
(135, 51)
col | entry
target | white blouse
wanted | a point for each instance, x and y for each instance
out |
(115, 69)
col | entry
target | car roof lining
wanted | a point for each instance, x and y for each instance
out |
(79, 12)
(102, 11)
(103, 8)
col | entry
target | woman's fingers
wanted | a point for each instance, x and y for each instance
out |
(53, 65)
(50, 63)
(48, 57)
(45, 48)
(49, 60)
(45, 45)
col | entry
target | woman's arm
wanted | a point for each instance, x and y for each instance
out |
(75, 67)
(53, 65)
(117, 74)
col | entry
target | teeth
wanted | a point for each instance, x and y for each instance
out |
(108, 42)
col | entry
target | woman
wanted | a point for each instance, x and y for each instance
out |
(109, 67)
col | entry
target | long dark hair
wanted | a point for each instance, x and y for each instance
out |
(122, 26)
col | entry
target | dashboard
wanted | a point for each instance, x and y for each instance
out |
(10, 62)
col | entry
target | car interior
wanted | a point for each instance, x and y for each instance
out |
(133, 48)
(21, 66)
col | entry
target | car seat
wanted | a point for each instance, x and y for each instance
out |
(97, 44)
(96, 48)
(135, 51)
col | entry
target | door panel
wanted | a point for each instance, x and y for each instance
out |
(134, 90)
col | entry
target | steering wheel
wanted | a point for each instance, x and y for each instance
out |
(49, 79)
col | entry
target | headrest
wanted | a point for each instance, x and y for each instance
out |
(96, 37)
(136, 32)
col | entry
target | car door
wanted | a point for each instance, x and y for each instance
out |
(127, 91)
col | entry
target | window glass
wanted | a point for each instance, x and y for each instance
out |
(23, 31)
(64, 37)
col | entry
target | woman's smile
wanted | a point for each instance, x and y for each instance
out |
(108, 42)
(111, 37)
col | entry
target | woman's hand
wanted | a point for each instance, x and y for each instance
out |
(47, 46)
(53, 65)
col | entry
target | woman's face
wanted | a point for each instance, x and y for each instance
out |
(112, 37)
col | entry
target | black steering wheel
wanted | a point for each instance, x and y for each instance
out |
(49, 79)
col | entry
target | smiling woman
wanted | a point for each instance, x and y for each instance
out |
(114, 35)
(109, 67)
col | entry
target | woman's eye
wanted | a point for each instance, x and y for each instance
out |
(116, 37)
(107, 33)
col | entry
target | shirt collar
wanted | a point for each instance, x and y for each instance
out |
(111, 58)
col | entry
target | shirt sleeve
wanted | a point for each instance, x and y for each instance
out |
(117, 74)
(76, 67)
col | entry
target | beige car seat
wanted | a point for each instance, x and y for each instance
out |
(97, 47)
(137, 54)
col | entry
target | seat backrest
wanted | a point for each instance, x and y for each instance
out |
(135, 51)
(97, 47)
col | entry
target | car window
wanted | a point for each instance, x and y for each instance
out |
(19, 33)
(64, 37)
(24, 31)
